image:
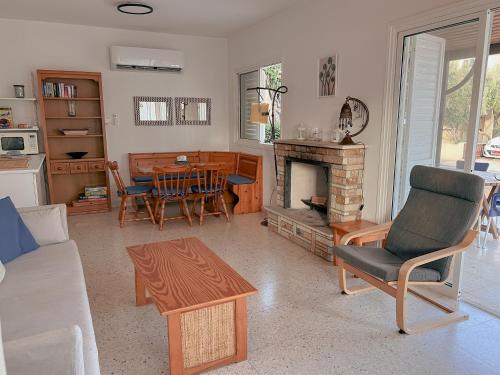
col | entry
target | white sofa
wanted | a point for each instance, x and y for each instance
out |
(44, 309)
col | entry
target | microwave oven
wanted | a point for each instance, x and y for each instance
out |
(25, 143)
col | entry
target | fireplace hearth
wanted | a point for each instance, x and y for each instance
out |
(309, 169)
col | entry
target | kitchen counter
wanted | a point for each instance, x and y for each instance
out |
(25, 186)
(35, 164)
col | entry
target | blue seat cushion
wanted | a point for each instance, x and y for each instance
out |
(138, 189)
(15, 237)
(142, 179)
(195, 189)
(167, 192)
(236, 179)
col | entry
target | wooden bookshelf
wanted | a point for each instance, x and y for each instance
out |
(67, 177)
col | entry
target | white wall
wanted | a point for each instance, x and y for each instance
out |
(32, 45)
(355, 29)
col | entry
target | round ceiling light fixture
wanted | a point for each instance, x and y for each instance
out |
(134, 8)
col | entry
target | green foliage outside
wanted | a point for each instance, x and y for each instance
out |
(457, 111)
(273, 80)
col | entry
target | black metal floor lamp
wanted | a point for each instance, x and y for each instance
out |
(261, 117)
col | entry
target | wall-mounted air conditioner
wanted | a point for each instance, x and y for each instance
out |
(134, 58)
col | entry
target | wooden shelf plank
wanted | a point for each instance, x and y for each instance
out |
(66, 99)
(72, 117)
(76, 160)
(19, 99)
(76, 136)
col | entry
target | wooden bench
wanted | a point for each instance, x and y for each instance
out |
(244, 173)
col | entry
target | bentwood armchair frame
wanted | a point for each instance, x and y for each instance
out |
(399, 289)
(171, 185)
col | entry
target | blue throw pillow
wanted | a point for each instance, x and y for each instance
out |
(15, 237)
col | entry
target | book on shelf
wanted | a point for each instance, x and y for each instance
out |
(96, 191)
(58, 90)
(96, 198)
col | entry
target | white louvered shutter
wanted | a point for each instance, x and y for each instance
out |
(248, 130)
(420, 104)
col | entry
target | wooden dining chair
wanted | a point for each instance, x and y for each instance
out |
(171, 185)
(211, 184)
(432, 228)
(135, 193)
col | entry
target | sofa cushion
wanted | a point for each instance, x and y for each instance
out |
(56, 352)
(236, 179)
(381, 263)
(15, 237)
(45, 290)
(45, 226)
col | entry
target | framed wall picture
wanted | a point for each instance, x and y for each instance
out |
(6, 120)
(327, 76)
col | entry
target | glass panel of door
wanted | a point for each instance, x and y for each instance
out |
(442, 76)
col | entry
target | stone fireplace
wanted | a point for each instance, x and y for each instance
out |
(321, 169)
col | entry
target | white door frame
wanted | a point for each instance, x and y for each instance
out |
(436, 18)
(441, 17)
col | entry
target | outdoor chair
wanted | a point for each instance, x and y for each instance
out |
(494, 213)
(434, 225)
(478, 165)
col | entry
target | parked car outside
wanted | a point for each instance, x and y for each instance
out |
(492, 148)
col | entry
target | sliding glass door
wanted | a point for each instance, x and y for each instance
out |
(440, 98)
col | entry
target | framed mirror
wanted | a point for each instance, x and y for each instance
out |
(153, 110)
(193, 111)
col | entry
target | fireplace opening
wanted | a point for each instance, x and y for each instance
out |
(307, 186)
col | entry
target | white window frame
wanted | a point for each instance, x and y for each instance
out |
(236, 100)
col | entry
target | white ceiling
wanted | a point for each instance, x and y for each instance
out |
(192, 17)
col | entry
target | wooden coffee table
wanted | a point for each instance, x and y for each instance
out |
(202, 297)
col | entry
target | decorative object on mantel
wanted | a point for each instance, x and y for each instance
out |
(327, 76)
(301, 132)
(315, 134)
(153, 110)
(353, 126)
(193, 111)
(19, 91)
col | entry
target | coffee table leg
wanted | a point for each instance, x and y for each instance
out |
(140, 291)
(175, 344)
(241, 329)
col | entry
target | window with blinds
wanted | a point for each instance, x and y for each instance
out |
(248, 130)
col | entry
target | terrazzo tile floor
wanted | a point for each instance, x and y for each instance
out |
(299, 323)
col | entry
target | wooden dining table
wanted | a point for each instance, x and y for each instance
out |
(491, 182)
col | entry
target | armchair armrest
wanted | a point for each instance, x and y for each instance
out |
(57, 352)
(411, 264)
(381, 229)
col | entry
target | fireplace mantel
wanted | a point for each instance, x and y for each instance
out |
(320, 144)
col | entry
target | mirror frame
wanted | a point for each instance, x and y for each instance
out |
(139, 122)
(178, 117)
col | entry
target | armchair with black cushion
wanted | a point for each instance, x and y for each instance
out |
(434, 225)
